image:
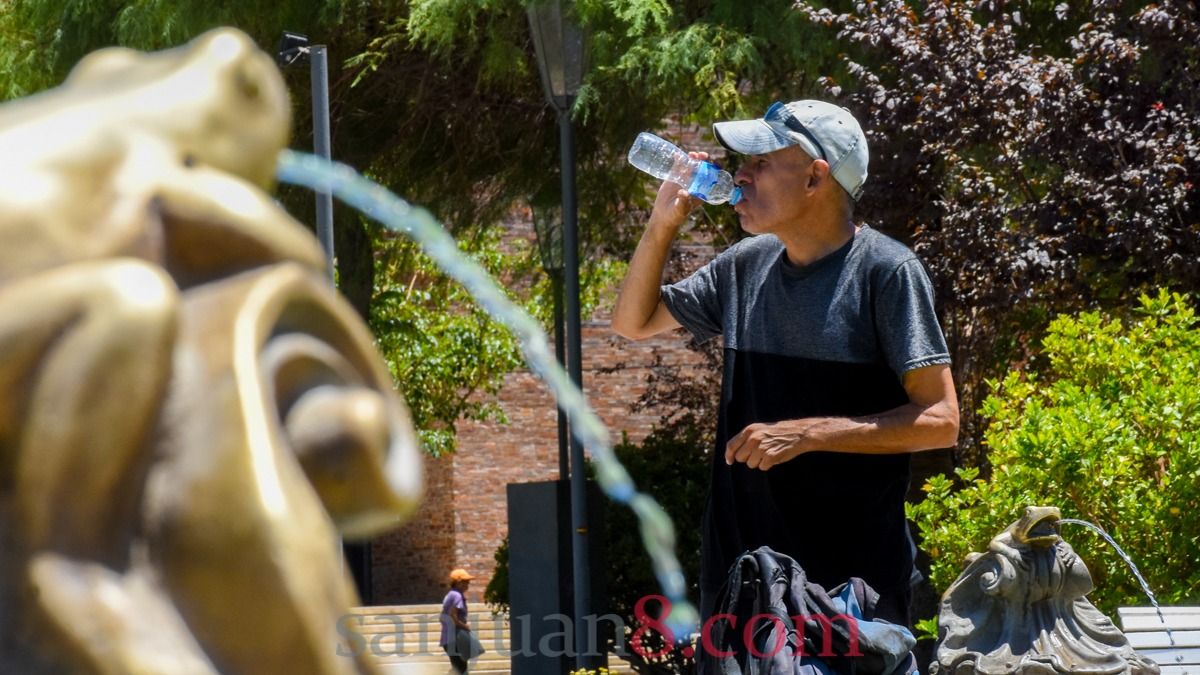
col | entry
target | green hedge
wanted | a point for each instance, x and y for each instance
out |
(1104, 425)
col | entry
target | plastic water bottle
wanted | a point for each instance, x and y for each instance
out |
(703, 180)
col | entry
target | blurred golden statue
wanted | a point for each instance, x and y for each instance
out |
(189, 413)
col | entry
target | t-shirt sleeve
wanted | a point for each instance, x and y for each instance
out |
(695, 301)
(907, 323)
(453, 600)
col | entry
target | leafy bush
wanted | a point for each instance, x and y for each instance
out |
(1104, 427)
(495, 594)
(448, 356)
(671, 465)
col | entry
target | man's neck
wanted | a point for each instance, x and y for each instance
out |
(817, 238)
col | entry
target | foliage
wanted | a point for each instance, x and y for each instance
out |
(671, 465)
(495, 594)
(1030, 183)
(1104, 428)
(466, 71)
(447, 354)
(41, 40)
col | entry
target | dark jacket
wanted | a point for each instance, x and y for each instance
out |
(770, 620)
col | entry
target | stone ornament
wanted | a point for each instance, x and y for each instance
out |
(189, 412)
(1020, 608)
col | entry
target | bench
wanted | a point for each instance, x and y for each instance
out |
(1148, 635)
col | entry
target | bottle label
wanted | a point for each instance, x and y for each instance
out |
(704, 180)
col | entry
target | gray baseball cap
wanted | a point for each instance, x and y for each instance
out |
(823, 130)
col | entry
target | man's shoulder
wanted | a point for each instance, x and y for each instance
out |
(879, 249)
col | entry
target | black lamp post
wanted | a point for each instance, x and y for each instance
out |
(558, 40)
(547, 224)
(292, 47)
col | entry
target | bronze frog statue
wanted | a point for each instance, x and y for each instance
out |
(189, 412)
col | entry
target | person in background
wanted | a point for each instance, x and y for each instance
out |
(454, 619)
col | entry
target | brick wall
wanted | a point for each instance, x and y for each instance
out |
(410, 564)
(464, 517)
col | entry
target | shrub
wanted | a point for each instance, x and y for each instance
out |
(495, 594)
(1103, 426)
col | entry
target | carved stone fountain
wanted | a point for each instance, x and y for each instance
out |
(189, 413)
(1019, 608)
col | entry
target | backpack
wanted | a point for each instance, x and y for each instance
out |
(770, 620)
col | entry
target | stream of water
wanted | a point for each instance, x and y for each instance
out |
(1132, 567)
(658, 534)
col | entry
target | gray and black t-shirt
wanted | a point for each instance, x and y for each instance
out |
(829, 339)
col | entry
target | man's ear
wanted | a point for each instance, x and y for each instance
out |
(818, 173)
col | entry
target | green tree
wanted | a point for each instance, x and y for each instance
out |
(1103, 427)
(449, 354)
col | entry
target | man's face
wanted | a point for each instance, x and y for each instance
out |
(773, 190)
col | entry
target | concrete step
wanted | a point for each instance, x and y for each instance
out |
(429, 608)
(395, 624)
(403, 639)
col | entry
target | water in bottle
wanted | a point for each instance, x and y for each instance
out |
(703, 180)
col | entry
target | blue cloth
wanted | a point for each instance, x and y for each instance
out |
(889, 638)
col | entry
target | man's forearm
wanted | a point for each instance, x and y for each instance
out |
(639, 296)
(637, 314)
(908, 428)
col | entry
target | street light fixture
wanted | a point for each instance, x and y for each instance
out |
(558, 41)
